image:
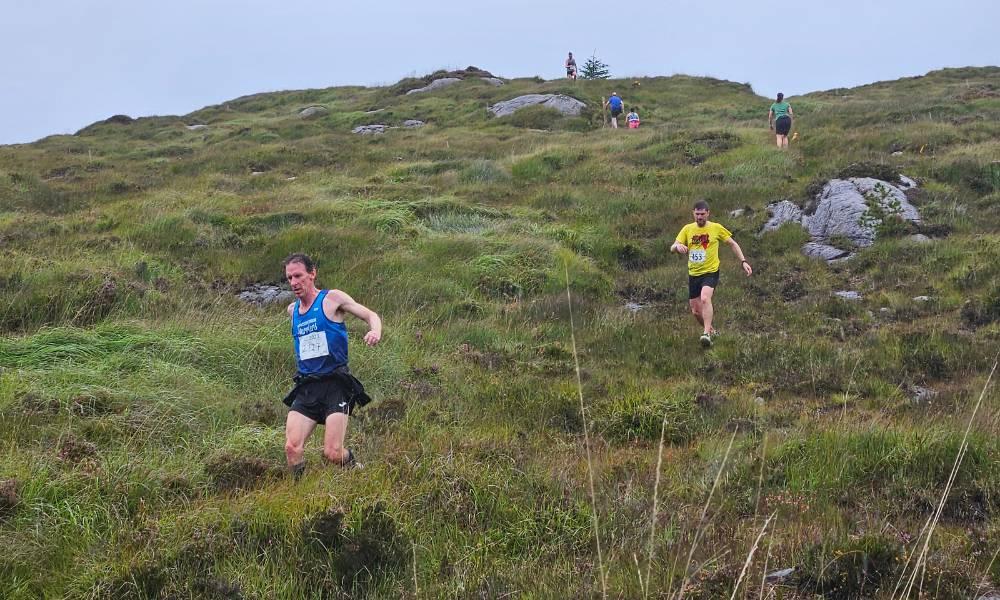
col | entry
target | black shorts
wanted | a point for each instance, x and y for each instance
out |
(783, 125)
(615, 113)
(317, 399)
(696, 282)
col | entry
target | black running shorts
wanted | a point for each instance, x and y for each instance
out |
(783, 125)
(320, 399)
(319, 396)
(696, 282)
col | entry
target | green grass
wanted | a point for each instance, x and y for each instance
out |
(141, 428)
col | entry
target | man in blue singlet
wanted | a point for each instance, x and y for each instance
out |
(617, 107)
(325, 391)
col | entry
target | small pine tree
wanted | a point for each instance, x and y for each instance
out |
(595, 69)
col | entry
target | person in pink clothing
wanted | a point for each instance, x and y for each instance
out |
(633, 118)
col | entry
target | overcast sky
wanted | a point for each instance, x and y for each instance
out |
(68, 63)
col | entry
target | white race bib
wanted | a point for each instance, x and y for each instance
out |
(697, 256)
(313, 346)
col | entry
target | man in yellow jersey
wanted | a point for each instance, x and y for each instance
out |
(700, 241)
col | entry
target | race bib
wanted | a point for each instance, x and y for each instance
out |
(313, 346)
(696, 256)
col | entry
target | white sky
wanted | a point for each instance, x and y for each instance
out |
(68, 63)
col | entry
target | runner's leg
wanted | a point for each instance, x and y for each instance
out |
(297, 429)
(695, 304)
(707, 310)
(333, 438)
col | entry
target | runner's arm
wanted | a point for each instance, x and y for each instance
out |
(739, 254)
(343, 302)
(678, 246)
(770, 118)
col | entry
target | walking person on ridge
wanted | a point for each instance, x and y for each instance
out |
(617, 107)
(779, 119)
(570, 67)
(632, 118)
(700, 241)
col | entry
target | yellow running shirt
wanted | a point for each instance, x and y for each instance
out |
(703, 246)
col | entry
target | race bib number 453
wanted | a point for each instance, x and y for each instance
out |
(313, 346)
(696, 256)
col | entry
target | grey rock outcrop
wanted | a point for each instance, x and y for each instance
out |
(196, 127)
(825, 251)
(566, 105)
(413, 123)
(843, 209)
(781, 213)
(311, 112)
(260, 294)
(634, 307)
(435, 85)
(847, 209)
(778, 576)
(375, 129)
(922, 395)
(495, 82)
(848, 295)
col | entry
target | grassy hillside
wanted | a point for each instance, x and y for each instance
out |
(141, 429)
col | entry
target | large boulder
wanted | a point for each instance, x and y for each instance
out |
(494, 81)
(566, 105)
(312, 112)
(825, 251)
(413, 123)
(781, 213)
(262, 294)
(435, 85)
(849, 208)
(846, 209)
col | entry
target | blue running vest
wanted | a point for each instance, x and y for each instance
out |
(320, 344)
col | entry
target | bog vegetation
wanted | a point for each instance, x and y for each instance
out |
(141, 430)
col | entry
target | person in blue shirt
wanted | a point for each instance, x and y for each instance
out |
(325, 391)
(617, 107)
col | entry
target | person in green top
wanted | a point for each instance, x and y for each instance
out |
(779, 119)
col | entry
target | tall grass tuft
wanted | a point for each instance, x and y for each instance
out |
(586, 439)
(932, 521)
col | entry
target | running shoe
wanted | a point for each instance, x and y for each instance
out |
(706, 340)
(351, 462)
